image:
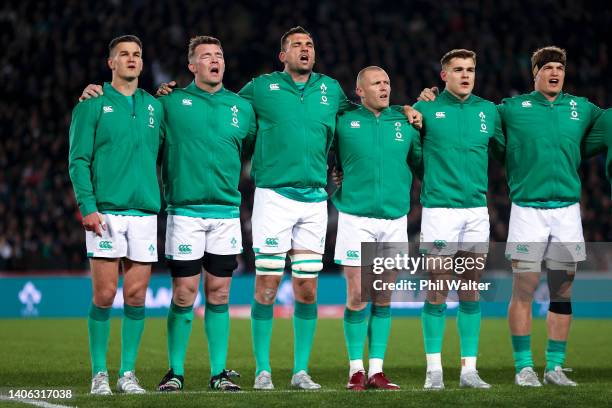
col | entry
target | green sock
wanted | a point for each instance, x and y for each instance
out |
(98, 325)
(132, 327)
(217, 326)
(433, 319)
(179, 329)
(521, 346)
(468, 324)
(262, 317)
(304, 325)
(378, 331)
(555, 354)
(355, 332)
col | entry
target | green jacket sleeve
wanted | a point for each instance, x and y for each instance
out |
(345, 103)
(415, 156)
(498, 139)
(82, 132)
(248, 91)
(248, 144)
(594, 142)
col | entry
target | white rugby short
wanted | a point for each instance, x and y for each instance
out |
(280, 223)
(130, 236)
(353, 230)
(540, 233)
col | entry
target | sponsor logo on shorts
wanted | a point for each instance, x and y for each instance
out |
(151, 249)
(105, 245)
(233, 242)
(352, 254)
(440, 243)
(578, 248)
(184, 249)
(271, 242)
(522, 249)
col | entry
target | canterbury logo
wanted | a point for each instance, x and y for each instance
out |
(187, 102)
(355, 124)
(107, 109)
(351, 254)
(274, 87)
(526, 104)
(440, 243)
(184, 249)
(272, 242)
(105, 245)
(440, 115)
(522, 248)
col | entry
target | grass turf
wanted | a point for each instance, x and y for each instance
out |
(42, 354)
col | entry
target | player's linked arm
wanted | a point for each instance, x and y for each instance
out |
(81, 135)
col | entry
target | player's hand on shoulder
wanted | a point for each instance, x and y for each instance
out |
(91, 91)
(415, 118)
(337, 176)
(94, 222)
(429, 94)
(165, 88)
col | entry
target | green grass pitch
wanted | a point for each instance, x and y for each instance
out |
(45, 353)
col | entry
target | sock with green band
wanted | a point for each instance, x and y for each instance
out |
(555, 354)
(379, 328)
(355, 332)
(521, 347)
(304, 326)
(217, 326)
(180, 320)
(433, 319)
(98, 326)
(262, 317)
(468, 325)
(132, 327)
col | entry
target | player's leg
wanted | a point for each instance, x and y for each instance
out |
(350, 233)
(141, 251)
(135, 282)
(355, 327)
(308, 243)
(392, 238)
(185, 241)
(440, 229)
(565, 250)
(527, 238)
(105, 276)
(224, 242)
(474, 241)
(272, 221)
(104, 253)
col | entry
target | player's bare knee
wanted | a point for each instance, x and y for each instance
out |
(184, 295)
(104, 297)
(218, 296)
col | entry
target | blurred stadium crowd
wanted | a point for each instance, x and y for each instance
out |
(52, 49)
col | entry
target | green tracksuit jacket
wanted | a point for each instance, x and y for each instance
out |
(203, 137)
(542, 147)
(455, 138)
(294, 128)
(376, 155)
(113, 152)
